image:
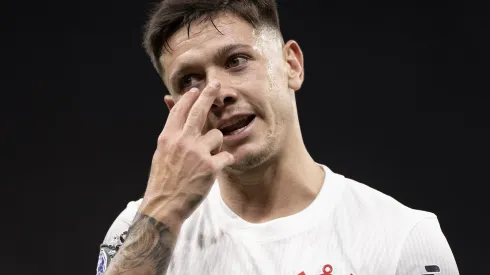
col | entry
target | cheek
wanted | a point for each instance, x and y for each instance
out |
(239, 80)
(281, 98)
(257, 92)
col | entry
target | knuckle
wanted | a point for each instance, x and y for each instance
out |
(174, 109)
(177, 108)
(163, 139)
(181, 145)
(194, 154)
(209, 166)
(173, 112)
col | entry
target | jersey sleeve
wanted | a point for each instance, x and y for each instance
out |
(426, 251)
(116, 235)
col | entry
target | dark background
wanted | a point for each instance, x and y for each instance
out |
(394, 97)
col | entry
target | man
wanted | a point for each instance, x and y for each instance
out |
(232, 188)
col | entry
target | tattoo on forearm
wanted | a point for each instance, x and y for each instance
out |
(146, 250)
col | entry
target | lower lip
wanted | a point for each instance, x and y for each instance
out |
(244, 132)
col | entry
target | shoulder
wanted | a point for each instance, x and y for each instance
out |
(122, 223)
(426, 250)
(369, 220)
(362, 199)
(116, 235)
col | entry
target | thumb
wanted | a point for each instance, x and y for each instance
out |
(223, 159)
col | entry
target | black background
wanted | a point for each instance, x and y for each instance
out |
(394, 97)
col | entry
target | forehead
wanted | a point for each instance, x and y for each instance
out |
(203, 37)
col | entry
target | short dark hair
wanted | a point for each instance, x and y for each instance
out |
(168, 16)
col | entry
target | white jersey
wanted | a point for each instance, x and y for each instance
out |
(349, 229)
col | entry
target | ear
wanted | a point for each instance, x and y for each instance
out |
(169, 100)
(294, 58)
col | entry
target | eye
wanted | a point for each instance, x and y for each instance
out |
(236, 61)
(186, 81)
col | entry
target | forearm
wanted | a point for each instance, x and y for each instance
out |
(147, 249)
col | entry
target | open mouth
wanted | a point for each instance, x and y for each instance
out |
(238, 126)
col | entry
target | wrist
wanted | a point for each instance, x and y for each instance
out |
(165, 213)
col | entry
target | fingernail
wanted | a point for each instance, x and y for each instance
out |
(194, 90)
(214, 83)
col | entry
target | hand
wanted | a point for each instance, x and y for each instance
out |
(185, 163)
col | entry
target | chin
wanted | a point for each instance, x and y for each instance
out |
(246, 162)
(249, 158)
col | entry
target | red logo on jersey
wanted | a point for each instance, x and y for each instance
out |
(327, 270)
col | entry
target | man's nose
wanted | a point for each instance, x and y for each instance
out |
(226, 96)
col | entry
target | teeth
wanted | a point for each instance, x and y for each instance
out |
(233, 121)
(236, 131)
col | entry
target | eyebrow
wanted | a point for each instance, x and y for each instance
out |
(220, 54)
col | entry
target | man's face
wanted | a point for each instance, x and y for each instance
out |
(256, 82)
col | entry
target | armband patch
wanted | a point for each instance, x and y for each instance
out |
(108, 251)
(103, 262)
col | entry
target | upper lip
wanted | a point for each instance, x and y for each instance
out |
(228, 121)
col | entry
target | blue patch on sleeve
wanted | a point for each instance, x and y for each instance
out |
(102, 264)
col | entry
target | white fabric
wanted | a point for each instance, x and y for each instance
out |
(349, 229)
(426, 246)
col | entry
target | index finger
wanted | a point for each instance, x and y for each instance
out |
(179, 112)
(199, 111)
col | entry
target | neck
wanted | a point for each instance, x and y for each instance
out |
(282, 186)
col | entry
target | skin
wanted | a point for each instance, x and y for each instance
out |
(261, 184)
(265, 176)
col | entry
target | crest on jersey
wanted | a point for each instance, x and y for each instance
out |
(102, 264)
